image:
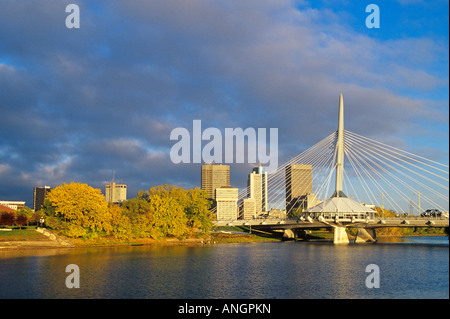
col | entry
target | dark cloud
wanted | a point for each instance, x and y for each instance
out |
(77, 104)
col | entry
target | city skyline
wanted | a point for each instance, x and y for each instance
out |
(77, 104)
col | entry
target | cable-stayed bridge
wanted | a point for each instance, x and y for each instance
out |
(348, 180)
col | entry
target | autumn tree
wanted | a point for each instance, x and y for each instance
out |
(163, 211)
(197, 209)
(27, 212)
(179, 211)
(21, 220)
(83, 206)
(7, 218)
(168, 213)
(121, 226)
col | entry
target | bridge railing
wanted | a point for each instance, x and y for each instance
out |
(415, 217)
(272, 220)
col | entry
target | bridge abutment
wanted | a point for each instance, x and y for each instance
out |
(366, 235)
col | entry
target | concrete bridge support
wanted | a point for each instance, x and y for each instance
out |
(295, 233)
(366, 235)
(340, 236)
(289, 234)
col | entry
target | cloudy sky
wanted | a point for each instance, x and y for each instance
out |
(77, 104)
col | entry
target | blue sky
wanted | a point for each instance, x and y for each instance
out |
(77, 104)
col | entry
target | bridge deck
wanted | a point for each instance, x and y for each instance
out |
(412, 221)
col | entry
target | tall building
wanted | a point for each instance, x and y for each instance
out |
(215, 176)
(115, 193)
(226, 200)
(257, 189)
(248, 208)
(298, 185)
(39, 195)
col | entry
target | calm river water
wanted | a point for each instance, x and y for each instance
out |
(409, 268)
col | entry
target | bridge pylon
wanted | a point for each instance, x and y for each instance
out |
(339, 206)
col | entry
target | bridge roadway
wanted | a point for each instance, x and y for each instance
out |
(303, 223)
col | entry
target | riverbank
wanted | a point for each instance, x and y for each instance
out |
(32, 238)
(29, 239)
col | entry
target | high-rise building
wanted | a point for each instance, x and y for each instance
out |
(298, 185)
(248, 208)
(226, 200)
(257, 189)
(214, 176)
(39, 195)
(115, 193)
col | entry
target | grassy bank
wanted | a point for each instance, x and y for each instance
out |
(222, 235)
(24, 234)
(240, 235)
(217, 236)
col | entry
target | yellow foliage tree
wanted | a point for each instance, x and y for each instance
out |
(120, 223)
(81, 205)
(176, 211)
(166, 207)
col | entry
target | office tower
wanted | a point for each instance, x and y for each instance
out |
(248, 208)
(298, 185)
(257, 189)
(115, 193)
(214, 176)
(226, 201)
(39, 195)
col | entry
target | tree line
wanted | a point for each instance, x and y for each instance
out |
(79, 210)
(21, 217)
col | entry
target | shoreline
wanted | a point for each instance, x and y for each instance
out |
(50, 242)
(215, 237)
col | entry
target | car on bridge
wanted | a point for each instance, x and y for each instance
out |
(434, 213)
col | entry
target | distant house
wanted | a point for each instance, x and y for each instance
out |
(12, 204)
(6, 209)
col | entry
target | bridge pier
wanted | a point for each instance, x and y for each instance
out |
(295, 233)
(289, 234)
(366, 235)
(340, 236)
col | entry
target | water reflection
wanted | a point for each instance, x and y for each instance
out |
(259, 270)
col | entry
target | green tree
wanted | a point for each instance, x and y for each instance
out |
(295, 212)
(47, 208)
(197, 210)
(35, 217)
(139, 213)
(27, 212)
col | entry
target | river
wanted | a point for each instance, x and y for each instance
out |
(416, 267)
